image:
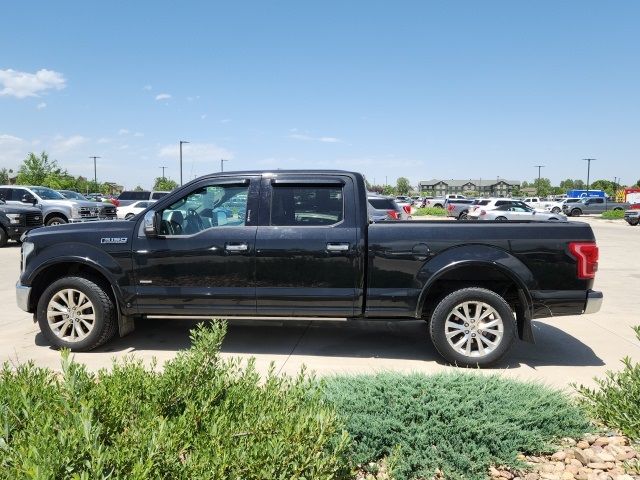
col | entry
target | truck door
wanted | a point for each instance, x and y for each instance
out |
(202, 262)
(307, 257)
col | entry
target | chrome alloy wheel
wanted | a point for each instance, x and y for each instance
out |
(474, 329)
(71, 315)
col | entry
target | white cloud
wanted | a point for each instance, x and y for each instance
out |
(123, 131)
(309, 138)
(163, 96)
(148, 88)
(24, 84)
(191, 99)
(138, 134)
(12, 150)
(103, 140)
(196, 152)
(41, 105)
(62, 144)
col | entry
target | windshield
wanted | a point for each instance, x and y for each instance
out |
(47, 193)
(74, 195)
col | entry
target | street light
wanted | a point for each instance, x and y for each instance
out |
(588, 160)
(95, 174)
(162, 167)
(538, 167)
(222, 160)
(181, 142)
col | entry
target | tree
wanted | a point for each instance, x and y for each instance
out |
(524, 184)
(389, 190)
(4, 176)
(376, 188)
(138, 189)
(36, 170)
(403, 186)
(163, 183)
(606, 185)
(542, 186)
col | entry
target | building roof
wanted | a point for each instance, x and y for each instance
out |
(476, 182)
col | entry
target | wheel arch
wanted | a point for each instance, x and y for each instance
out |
(48, 216)
(480, 266)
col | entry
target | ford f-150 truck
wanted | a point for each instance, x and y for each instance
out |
(300, 244)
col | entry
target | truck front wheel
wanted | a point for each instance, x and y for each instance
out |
(55, 220)
(76, 313)
(472, 327)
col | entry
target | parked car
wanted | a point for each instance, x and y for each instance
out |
(632, 217)
(107, 207)
(458, 207)
(439, 202)
(589, 205)
(556, 207)
(490, 203)
(129, 196)
(305, 248)
(385, 208)
(515, 211)
(537, 202)
(16, 220)
(130, 211)
(55, 208)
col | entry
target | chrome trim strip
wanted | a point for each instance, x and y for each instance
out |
(22, 296)
(594, 302)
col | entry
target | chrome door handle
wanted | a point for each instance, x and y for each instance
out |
(337, 247)
(240, 247)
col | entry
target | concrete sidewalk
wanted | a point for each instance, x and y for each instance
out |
(568, 349)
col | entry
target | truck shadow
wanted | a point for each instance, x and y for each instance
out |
(402, 340)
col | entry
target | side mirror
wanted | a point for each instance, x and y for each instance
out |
(27, 198)
(150, 224)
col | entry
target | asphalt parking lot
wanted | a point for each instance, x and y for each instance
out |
(568, 349)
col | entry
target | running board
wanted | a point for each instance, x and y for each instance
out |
(223, 317)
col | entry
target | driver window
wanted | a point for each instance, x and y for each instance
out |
(207, 207)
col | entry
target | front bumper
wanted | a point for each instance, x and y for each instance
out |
(23, 295)
(594, 302)
(15, 233)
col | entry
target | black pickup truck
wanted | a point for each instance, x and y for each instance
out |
(300, 244)
(16, 220)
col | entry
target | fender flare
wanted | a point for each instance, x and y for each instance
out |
(481, 255)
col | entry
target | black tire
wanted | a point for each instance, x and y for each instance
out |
(576, 212)
(129, 216)
(438, 327)
(617, 209)
(105, 322)
(4, 238)
(437, 205)
(555, 210)
(55, 220)
(501, 219)
(463, 216)
(553, 219)
(633, 223)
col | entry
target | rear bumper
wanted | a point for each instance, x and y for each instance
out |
(594, 302)
(558, 303)
(23, 295)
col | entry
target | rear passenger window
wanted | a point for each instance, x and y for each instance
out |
(306, 206)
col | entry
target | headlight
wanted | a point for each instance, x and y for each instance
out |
(13, 217)
(27, 248)
(75, 212)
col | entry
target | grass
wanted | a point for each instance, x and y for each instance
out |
(459, 423)
(201, 417)
(613, 214)
(433, 211)
(616, 401)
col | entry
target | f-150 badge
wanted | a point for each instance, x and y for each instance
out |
(113, 240)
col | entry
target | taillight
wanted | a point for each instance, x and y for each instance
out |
(450, 207)
(586, 254)
(407, 208)
(393, 214)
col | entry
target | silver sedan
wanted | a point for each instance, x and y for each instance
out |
(516, 212)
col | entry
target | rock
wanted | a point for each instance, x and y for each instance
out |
(494, 472)
(559, 456)
(532, 476)
(549, 476)
(597, 466)
(567, 476)
(583, 456)
(506, 474)
(617, 441)
(582, 444)
(590, 438)
(583, 473)
(572, 469)
(630, 455)
(568, 441)
(604, 456)
(602, 441)
(576, 462)
(623, 477)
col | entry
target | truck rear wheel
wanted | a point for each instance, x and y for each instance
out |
(472, 327)
(55, 220)
(76, 313)
(576, 212)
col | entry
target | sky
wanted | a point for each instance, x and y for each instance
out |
(425, 89)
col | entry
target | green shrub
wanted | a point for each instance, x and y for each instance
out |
(434, 211)
(460, 423)
(200, 417)
(616, 402)
(613, 214)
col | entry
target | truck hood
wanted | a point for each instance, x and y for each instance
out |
(99, 234)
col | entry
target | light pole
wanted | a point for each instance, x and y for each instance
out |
(588, 160)
(162, 167)
(181, 142)
(222, 160)
(538, 167)
(95, 171)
